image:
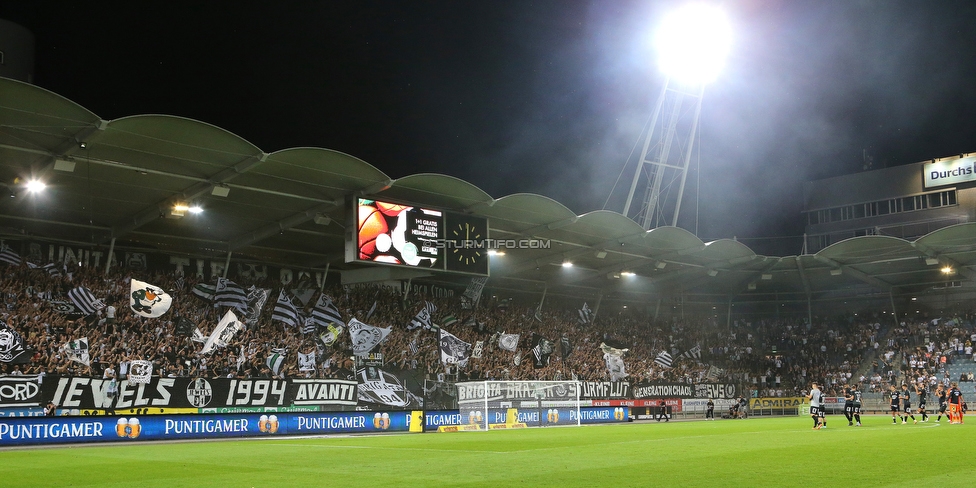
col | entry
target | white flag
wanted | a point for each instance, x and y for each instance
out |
(306, 362)
(508, 342)
(365, 337)
(223, 333)
(77, 350)
(148, 300)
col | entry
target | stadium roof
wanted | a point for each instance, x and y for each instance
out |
(120, 179)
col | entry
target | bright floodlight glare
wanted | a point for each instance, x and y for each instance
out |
(693, 42)
(195, 209)
(567, 264)
(35, 186)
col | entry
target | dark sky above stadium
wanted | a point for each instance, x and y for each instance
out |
(537, 96)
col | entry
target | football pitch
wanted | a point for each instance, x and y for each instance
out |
(781, 451)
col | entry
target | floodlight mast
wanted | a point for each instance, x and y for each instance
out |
(692, 45)
(664, 174)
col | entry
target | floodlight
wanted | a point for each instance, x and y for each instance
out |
(567, 264)
(196, 209)
(35, 186)
(693, 42)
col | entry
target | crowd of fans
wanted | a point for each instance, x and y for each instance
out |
(768, 357)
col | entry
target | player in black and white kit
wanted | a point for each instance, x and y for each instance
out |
(816, 406)
(941, 393)
(849, 404)
(856, 393)
(895, 403)
(923, 394)
(906, 400)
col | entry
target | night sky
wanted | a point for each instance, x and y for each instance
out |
(537, 96)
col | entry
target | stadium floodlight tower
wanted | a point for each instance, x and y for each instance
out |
(692, 43)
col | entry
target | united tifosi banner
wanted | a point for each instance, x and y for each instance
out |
(197, 393)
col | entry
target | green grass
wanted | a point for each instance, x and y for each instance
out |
(754, 452)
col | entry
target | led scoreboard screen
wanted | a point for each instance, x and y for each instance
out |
(418, 237)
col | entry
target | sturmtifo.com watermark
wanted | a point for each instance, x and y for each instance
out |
(493, 244)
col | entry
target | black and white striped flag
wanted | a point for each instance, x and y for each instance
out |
(10, 257)
(325, 312)
(53, 270)
(585, 314)
(180, 283)
(286, 311)
(663, 359)
(230, 294)
(309, 326)
(422, 319)
(85, 301)
(50, 268)
(275, 361)
(204, 291)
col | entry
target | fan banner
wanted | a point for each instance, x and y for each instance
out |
(20, 391)
(87, 395)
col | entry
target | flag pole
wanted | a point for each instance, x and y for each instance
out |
(596, 310)
(227, 264)
(108, 260)
(325, 277)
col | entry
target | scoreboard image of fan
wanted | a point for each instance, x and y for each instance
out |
(400, 234)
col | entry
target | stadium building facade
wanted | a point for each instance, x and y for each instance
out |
(907, 201)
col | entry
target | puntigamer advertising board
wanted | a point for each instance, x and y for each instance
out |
(60, 430)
